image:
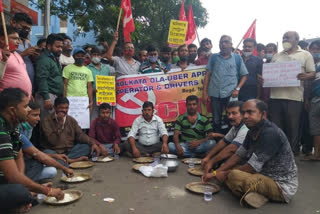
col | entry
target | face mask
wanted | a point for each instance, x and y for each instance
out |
(316, 56)
(153, 59)
(247, 54)
(184, 58)
(268, 56)
(96, 60)
(286, 46)
(165, 59)
(192, 57)
(23, 33)
(175, 59)
(129, 52)
(78, 61)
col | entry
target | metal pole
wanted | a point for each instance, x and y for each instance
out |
(46, 18)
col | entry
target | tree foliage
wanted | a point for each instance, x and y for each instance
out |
(152, 17)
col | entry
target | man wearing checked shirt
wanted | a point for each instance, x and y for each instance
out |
(150, 128)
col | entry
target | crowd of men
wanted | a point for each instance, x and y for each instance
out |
(254, 157)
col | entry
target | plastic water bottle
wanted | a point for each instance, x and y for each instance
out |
(191, 163)
(40, 198)
(207, 193)
(94, 157)
(116, 156)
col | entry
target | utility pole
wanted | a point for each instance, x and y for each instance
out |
(46, 19)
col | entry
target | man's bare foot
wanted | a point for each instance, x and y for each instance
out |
(82, 158)
(25, 208)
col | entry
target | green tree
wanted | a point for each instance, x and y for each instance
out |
(151, 17)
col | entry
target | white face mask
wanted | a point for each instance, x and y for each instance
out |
(247, 54)
(96, 60)
(286, 46)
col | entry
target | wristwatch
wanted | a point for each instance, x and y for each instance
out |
(238, 89)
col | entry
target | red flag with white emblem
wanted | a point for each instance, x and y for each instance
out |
(191, 32)
(182, 16)
(128, 24)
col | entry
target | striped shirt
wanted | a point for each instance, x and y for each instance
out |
(196, 131)
(10, 143)
(146, 67)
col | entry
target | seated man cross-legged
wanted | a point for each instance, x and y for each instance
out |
(61, 134)
(39, 165)
(269, 171)
(195, 130)
(227, 146)
(150, 128)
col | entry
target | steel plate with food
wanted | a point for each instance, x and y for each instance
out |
(70, 196)
(143, 160)
(77, 178)
(81, 164)
(198, 187)
(105, 159)
(197, 171)
(191, 160)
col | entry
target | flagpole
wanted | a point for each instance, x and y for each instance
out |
(119, 17)
(198, 35)
(4, 29)
(244, 35)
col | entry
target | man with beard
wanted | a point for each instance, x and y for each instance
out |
(165, 57)
(61, 134)
(183, 62)
(149, 127)
(15, 187)
(66, 58)
(251, 88)
(192, 50)
(269, 171)
(226, 74)
(49, 75)
(125, 64)
(13, 73)
(23, 23)
(227, 146)
(152, 63)
(195, 130)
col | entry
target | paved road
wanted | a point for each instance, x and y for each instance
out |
(168, 195)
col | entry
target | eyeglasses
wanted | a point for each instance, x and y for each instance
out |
(67, 43)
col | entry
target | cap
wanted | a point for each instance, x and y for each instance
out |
(77, 50)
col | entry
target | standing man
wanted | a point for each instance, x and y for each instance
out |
(226, 74)
(66, 58)
(124, 65)
(192, 50)
(269, 171)
(286, 103)
(143, 55)
(165, 57)
(251, 88)
(15, 187)
(152, 64)
(150, 128)
(195, 130)
(183, 54)
(49, 75)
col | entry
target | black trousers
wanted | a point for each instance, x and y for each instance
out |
(286, 114)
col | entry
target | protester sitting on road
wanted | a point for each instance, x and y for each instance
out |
(152, 63)
(270, 172)
(39, 166)
(106, 130)
(124, 65)
(61, 134)
(192, 50)
(227, 146)
(15, 187)
(149, 127)
(77, 78)
(195, 130)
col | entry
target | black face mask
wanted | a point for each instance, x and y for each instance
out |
(23, 33)
(79, 61)
(192, 57)
(165, 59)
(183, 58)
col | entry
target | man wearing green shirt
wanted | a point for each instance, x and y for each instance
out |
(77, 78)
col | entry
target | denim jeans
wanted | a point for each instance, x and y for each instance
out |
(218, 105)
(202, 148)
(37, 171)
(13, 196)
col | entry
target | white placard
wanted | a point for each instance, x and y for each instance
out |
(78, 109)
(281, 74)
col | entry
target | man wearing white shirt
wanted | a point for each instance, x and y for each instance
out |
(150, 128)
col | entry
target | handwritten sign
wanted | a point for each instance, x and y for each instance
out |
(281, 74)
(106, 90)
(177, 33)
(78, 109)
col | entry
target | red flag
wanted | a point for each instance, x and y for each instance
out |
(251, 32)
(191, 32)
(128, 24)
(182, 16)
(1, 8)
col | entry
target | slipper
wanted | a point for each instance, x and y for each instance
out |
(310, 158)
